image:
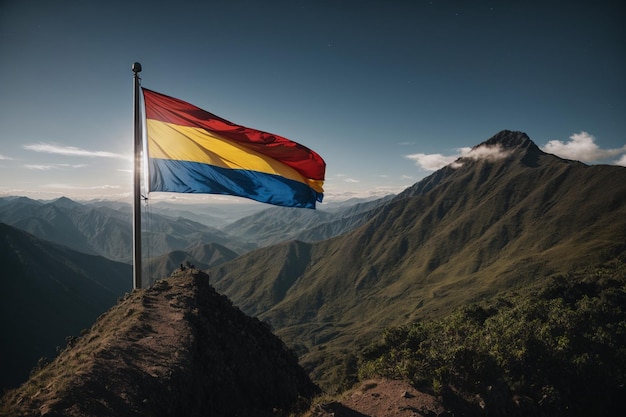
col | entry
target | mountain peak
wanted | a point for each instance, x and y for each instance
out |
(510, 140)
(507, 144)
(65, 203)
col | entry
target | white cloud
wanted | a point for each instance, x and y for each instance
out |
(72, 151)
(2, 157)
(431, 162)
(581, 147)
(377, 192)
(345, 178)
(76, 187)
(47, 167)
(490, 153)
(39, 167)
(435, 161)
(71, 165)
(621, 161)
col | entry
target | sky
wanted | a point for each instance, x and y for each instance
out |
(385, 91)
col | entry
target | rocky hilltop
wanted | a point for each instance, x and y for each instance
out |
(177, 348)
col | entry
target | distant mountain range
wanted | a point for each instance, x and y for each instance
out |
(49, 292)
(106, 231)
(280, 224)
(504, 217)
(105, 228)
(216, 215)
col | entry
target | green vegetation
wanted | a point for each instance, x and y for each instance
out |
(562, 344)
(457, 237)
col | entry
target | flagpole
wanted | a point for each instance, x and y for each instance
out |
(137, 181)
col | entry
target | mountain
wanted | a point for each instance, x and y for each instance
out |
(279, 224)
(202, 256)
(107, 231)
(345, 219)
(162, 235)
(175, 349)
(506, 216)
(49, 292)
(215, 215)
(48, 221)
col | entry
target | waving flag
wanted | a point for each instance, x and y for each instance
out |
(193, 151)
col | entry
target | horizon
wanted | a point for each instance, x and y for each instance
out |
(184, 199)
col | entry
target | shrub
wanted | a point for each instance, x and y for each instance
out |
(562, 344)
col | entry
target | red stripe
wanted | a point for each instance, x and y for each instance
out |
(172, 110)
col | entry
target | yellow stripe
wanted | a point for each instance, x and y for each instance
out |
(183, 143)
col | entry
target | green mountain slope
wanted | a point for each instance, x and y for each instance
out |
(506, 218)
(203, 256)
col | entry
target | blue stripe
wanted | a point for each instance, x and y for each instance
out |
(193, 177)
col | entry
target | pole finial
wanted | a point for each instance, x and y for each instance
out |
(136, 67)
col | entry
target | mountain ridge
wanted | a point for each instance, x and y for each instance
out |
(102, 230)
(497, 219)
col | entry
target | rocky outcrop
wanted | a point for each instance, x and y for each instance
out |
(177, 348)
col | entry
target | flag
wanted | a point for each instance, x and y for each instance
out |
(193, 151)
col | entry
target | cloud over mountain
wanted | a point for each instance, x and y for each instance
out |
(436, 161)
(580, 147)
(431, 162)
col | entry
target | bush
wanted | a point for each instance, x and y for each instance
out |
(562, 345)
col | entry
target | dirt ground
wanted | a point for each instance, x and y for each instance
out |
(382, 398)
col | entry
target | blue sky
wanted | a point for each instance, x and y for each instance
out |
(385, 91)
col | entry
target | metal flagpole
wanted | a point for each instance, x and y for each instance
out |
(137, 182)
